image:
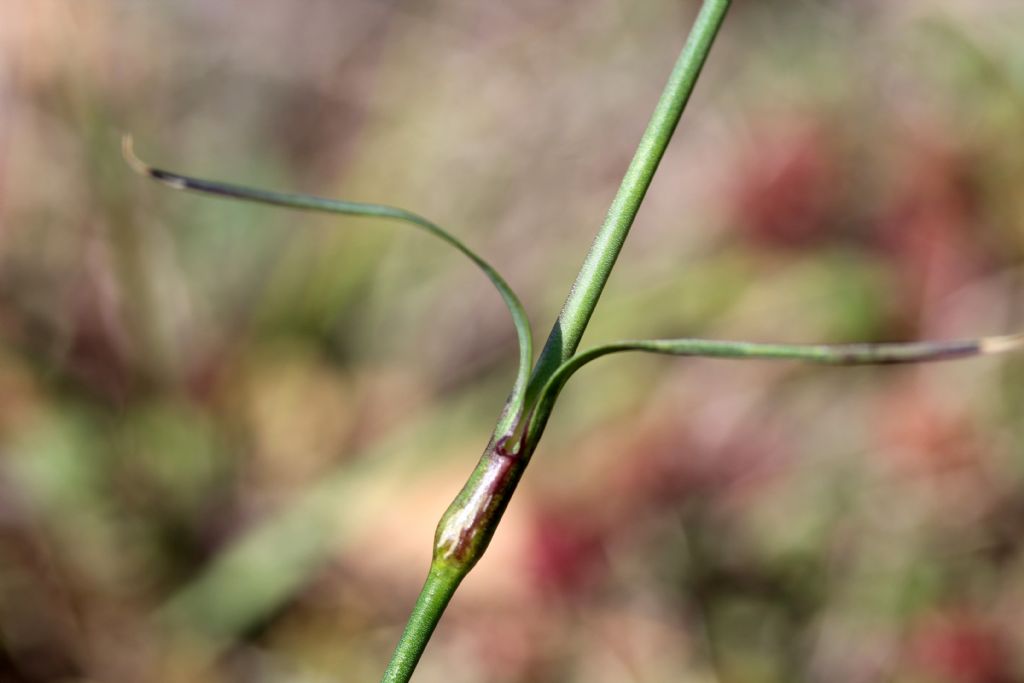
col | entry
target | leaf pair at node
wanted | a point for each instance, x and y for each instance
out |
(520, 426)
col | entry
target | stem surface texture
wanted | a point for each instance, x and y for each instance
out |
(469, 523)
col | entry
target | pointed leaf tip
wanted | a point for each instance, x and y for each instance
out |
(1002, 344)
(128, 152)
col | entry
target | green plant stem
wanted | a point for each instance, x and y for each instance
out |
(462, 537)
(597, 267)
(437, 591)
(469, 523)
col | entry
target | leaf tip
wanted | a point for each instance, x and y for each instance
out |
(128, 152)
(1002, 344)
(142, 168)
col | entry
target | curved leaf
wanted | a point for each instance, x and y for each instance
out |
(826, 354)
(514, 406)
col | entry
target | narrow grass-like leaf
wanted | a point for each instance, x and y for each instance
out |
(514, 406)
(824, 354)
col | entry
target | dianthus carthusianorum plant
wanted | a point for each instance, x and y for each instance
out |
(469, 523)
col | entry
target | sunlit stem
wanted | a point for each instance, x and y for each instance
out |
(469, 523)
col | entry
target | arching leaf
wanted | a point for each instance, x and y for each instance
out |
(825, 354)
(514, 406)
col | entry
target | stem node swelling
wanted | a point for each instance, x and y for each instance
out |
(466, 528)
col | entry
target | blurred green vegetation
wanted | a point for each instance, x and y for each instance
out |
(226, 431)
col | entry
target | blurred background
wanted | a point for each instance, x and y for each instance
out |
(227, 431)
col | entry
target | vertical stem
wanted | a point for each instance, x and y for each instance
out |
(437, 592)
(474, 515)
(586, 290)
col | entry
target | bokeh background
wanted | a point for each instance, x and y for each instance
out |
(226, 431)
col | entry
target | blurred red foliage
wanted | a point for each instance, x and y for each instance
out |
(786, 187)
(960, 647)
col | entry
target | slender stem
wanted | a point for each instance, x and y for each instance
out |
(469, 523)
(586, 290)
(437, 592)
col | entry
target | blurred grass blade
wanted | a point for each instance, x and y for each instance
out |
(268, 564)
(825, 354)
(514, 406)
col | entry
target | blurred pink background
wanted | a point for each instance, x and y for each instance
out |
(227, 431)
